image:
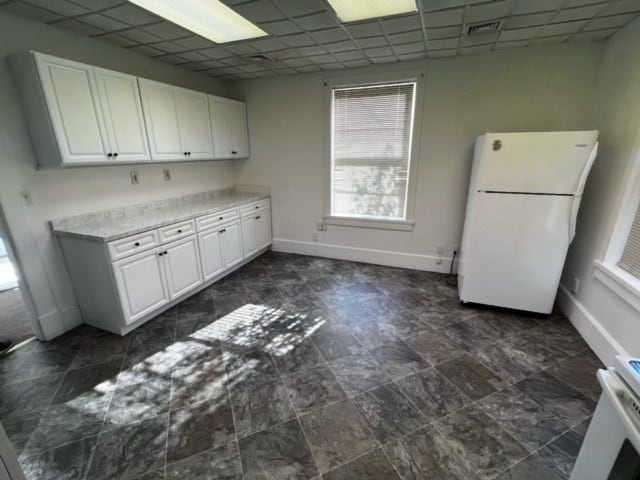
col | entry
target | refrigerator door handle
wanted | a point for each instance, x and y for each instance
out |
(586, 170)
(573, 216)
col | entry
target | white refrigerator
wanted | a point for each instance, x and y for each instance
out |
(524, 195)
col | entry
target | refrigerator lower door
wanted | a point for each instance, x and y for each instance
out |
(513, 250)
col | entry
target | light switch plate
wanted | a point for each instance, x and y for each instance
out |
(135, 179)
(167, 175)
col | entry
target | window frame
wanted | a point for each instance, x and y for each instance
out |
(347, 81)
(607, 270)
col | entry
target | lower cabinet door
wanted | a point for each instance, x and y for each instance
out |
(141, 284)
(211, 253)
(182, 262)
(249, 242)
(263, 229)
(231, 244)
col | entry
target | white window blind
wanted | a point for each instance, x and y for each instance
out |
(371, 150)
(631, 255)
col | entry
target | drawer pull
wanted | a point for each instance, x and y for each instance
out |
(223, 230)
(137, 244)
(160, 254)
(257, 206)
(233, 152)
(165, 252)
(221, 218)
(179, 230)
(258, 217)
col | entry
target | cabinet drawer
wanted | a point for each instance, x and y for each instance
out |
(133, 244)
(177, 230)
(215, 219)
(254, 207)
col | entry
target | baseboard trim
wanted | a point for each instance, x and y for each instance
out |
(596, 336)
(54, 324)
(366, 255)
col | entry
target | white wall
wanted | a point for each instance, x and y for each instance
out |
(544, 88)
(60, 193)
(604, 319)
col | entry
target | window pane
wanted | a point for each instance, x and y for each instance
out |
(631, 256)
(371, 147)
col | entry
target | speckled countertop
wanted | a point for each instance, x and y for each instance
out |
(117, 223)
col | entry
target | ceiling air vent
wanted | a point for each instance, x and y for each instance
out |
(261, 57)
(485, 27)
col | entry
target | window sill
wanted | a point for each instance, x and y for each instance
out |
(622, 283)
(402, 225)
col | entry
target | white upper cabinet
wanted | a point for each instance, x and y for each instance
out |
(229, 124)
(120, 101)
(161, 117)
(195, 127)
(71, 96)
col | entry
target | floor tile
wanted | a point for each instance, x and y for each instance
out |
(131, 450)
(371, 334)
(29, 396)
(358, 373)
(486, 447)
(256, 366)
(398, 359)
(227, 304)
(336, 434)
(433, 393)
(67, 462)
(441, 318)
(146, 343)
(19, 429)
(409, 299)
(523, 418)
(257, 406)
(470, 376)
(35, 360)
(199, 427)
(337, 344)
(434, 346)
(88, 384)
(196, 307)
(531, 468)
(426, 454)
(469, 336)
(278, 452)
(557, 398)
(562, 338)
(388, 412)
(138, 401)
(297, 356)
(222, 463)
(313, 388)
(372, 466)
(580, 373)
(560, 455)
(204, 380)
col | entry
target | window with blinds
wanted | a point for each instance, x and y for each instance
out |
(371, 150)
(630, 260)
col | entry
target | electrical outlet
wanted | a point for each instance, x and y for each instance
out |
(135, 179)
(575, 286)
(167, 175)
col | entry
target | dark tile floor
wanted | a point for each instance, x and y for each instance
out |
(299, 368)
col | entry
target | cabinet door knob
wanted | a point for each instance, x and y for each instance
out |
(160, 254)
(137, 244)
(221, 218)
(258, 217)
(109, 154)
(256, 207)
(115, 154)
(223, 230)
(165, 252)
(179, 230)
(186, 153)
(233, 152)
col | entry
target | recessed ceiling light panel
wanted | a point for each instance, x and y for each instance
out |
(208, 18)
(354, 10)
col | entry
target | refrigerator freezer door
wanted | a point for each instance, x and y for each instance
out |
(538, 162)
(515, 250)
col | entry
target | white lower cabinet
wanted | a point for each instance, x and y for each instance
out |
(256, 231)
(211, 253)
(141, 283)
(232, 252)
(182, 264)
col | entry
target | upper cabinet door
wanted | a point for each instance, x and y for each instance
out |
(161, 119)
(239, 135)
(218, 111)
(195, 126)
(120, 101)
(72, 101)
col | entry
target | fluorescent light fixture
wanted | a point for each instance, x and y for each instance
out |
(353, 10)
(208, 18)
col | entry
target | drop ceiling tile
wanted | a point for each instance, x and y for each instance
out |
(118, 41)
(479, 39)
(378, 52)
(245, 76)
(216, 53)
(297, 62)
(252, 67)
(332, 66)
(402, 24)
(317, 22)
(446, 32)
(268, 45)
(534, 20)
(309, 69)
(173, 59)
(322, 59)
(383, 59)
(516, 44)
(349, 56)
(488, 11)
(340, 46)
(194, 56)
(234, 61)
(231, 70)
(169, 47)
(330, 35)
(356, 63)
(167, 31)
(196, 67)
(29, 11)
(97, 4)
(291, 71)
(298, 40)
(535, 6)
(140, 36)
(131, 15)
(103, 23)
(147, 50)
(580, 3)
(406, 37)
(413, 56)
(518, 34)
(282, 27)
(213, 63)
(622, 6)
(549, 40)
(78, 27)
(562, 28)
(442, 53)
(431, 5)
(477, 49)
(445, 18)
(364, 29)
(372, 42)
(60, 7)
(259, 11)
(264, 74)
(408, 48)
(311, 50)
(241, 49)
(595, 35)
(610, 22)
(295, 8)
(442, 44)
(286, 54)
(579, 13)
(195, 42)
